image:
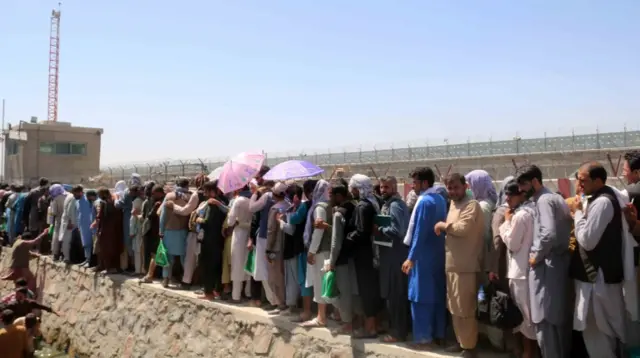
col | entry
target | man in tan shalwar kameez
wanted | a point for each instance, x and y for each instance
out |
(464, 230)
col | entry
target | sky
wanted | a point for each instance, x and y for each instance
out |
(209, 79)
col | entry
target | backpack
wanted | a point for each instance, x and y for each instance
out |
(498, 309)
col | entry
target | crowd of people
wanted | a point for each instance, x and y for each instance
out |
(404, 267)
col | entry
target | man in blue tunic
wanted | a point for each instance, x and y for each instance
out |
(425, 262)
(85, 219)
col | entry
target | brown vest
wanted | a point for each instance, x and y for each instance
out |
(173, 220)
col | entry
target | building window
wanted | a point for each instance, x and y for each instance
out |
(63, 148)
(12, 147)
(78, 149)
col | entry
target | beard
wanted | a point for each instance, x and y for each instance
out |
(529, 193)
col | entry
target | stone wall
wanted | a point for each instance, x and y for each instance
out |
(116, 317)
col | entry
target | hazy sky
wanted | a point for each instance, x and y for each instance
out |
(188, 79)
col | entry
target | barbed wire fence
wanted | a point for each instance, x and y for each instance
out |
(557, 156)
(556, 161)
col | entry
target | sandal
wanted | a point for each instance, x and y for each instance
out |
(314, 323)
(299, 319)
(390, 339)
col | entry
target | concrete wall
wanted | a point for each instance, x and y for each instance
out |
(30, 163)
(116, 317)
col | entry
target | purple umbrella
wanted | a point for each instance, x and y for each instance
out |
(293, 169)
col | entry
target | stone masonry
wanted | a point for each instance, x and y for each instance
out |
(114, 316)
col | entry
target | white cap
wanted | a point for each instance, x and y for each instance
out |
(279, 188)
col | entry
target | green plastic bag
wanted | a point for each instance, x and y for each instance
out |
(250, 264)
(51, 230)
(329, 285)
(162, 259)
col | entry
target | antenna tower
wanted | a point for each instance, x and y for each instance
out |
(54, 65)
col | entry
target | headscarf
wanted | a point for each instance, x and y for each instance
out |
(56, 190)
(320, 195)
(135, 179)
(481, 185)
(365, 187)
(120, 188)
(137, 205)
(502, 197)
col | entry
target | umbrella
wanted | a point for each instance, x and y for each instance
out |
(293, 169)
(237, 172)
(215, 174)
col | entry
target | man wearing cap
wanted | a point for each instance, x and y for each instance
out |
(275, 244)
(517, 234)
(260, 203)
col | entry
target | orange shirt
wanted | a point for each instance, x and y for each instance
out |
(14, 342)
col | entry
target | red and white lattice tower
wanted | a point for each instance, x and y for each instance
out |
(54, 66)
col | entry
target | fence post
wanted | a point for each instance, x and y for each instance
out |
(182, 167)
(165, 166)
(149, 170)
(111, 183)
(122, 172)
(203, 168)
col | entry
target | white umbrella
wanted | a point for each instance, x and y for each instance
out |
(215, 174)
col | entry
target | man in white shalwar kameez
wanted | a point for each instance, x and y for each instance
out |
(239, 218)
(69, 220)
(517, 234)
(135, 232)
(597, 265)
